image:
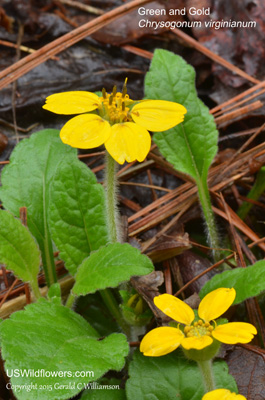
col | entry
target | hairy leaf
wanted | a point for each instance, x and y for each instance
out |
(77, 213)
(110, 266)
(51, 338)
(18, 249)
(26, 180)
(248, 282)
(171, 377)
(191, 146)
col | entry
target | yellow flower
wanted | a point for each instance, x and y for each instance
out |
(118, 122)
(222, 394)
(195, 335)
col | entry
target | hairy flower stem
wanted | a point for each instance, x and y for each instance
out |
(207, 374)
(111, 198)
(112, 224)
(205, 200)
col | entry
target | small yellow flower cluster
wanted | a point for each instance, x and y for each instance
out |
(116, 121)
(200, 334)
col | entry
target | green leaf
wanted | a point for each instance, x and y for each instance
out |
(95, 312)
(248, 282)
(110, 266)
(26, 180)
(18, 249)
(191, 146)
(171, 377)
(77, 213)
(98, 392)
(50, 337)
(54, 293)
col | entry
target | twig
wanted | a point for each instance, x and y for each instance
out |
(208, 53)
(8, 292)
(14, 86)
(238, 97)
(31, 61)
(15, 46)
(239, 112)
(81, 6)
(245, 145)
(22, 48)
(145, 185)
(203, 273)
(237, 222)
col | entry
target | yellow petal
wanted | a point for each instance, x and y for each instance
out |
(158, 115)
(128, 141)
(222, 394)
(196, 342)
(85, 131)
(161, 341)
(72, 102)
(234, 332)
(216, 303)
(175, 308)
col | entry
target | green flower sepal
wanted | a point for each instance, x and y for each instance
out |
(205, 354)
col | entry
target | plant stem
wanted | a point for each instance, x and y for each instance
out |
(207, 374)
(70, 300)
(47, 250)
(35, 288)
(112, 223)
(111, 198)
(136, 331)
(113, 307)
(48, 262)
(206, 205)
